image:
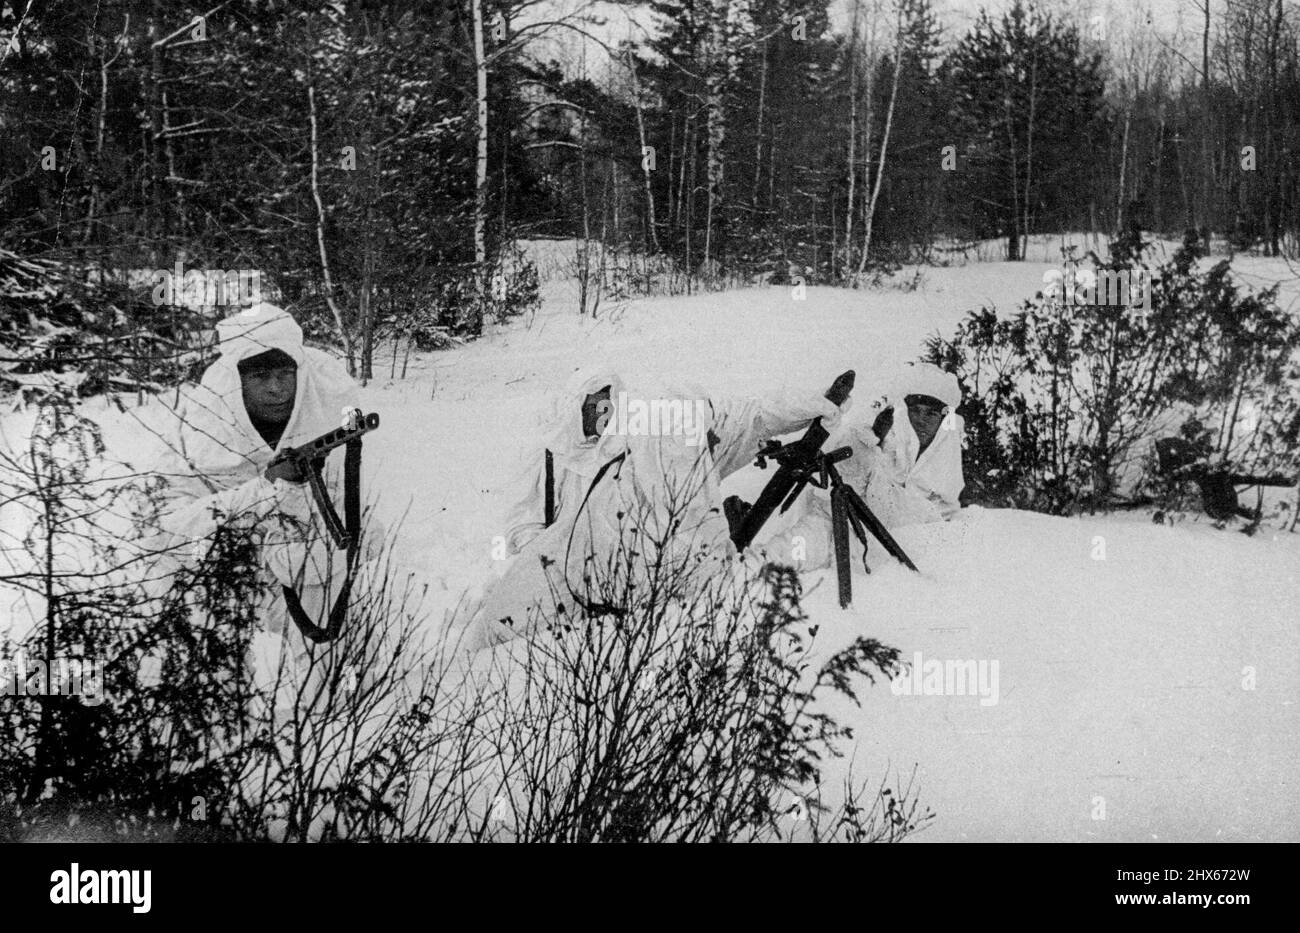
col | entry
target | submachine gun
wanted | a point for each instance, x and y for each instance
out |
(346, 533)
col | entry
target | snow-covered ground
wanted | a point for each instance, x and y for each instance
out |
(1122, 647)
(1149, 695)
(1147, 676)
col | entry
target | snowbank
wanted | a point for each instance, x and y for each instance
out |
(1145, 678)
(1120, 680)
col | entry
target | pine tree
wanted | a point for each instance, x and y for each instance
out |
(1024, 98)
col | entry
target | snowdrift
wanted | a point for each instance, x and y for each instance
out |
(1146, 676)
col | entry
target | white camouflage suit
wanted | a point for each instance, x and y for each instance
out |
(213, 461)
(683, 465)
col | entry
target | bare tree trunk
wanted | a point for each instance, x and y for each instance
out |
(1013, 234)
(717, 78)
(672, 163)
(1183, 184)
(1123, 165)
(367, 311)
(169, 150)
(713, 169)
(868, 132)
(758, 131)
(610, 177)
(584, 248)
(104, 64)
(367, 298)
(645, 169)
(771, 172)
(481, 174)
(835, 242)
(154, 206)
(1272, 199)
(1029, 149)
(853, 139)
(320, 237)
(1205, 120)
(870, 219)
(687, 140)
(1159, 187)
(816, 244)
(614, 227)
(690, 211)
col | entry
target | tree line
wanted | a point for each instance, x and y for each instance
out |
(377, 160)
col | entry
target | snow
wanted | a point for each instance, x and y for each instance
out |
(1120, 679)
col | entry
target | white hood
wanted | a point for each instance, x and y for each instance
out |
(577, 459)
(926, 379)
(936, 473)
(217, 438)
(565, 439)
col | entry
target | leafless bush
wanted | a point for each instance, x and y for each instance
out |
(684, 708)
(682, 704)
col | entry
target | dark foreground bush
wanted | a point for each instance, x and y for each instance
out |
(689, 707)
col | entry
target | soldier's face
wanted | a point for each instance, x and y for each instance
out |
(591, 412)
(926, 417)
(269, 394)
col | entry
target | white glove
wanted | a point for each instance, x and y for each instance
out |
(834, 413)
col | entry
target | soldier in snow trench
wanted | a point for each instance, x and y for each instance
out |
(906, 462)
(266, 393)
(614, 457)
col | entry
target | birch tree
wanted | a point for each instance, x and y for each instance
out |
(870, 218)
(481, 161)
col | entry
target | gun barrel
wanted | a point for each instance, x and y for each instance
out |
(315, 449)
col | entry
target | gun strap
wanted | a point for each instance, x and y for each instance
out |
(349, 538)
(593, 608)
(859, 532)
(548, 514)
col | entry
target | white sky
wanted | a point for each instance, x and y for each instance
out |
(1175, 21)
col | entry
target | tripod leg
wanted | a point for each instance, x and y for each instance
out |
(873, 524)
(840, 536)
